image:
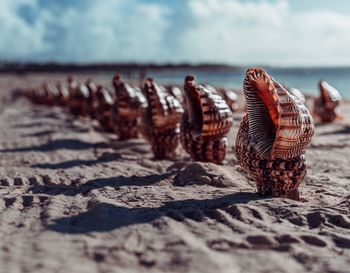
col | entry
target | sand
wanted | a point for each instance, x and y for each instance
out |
(74, 199)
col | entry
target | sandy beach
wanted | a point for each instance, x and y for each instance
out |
(75, 199)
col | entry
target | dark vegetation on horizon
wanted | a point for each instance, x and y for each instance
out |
(19, 67)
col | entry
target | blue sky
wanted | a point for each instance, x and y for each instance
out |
(252, 32)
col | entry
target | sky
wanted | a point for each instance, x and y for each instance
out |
(237, 32)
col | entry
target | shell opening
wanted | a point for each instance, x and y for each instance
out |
(193, 104)
(264, 93)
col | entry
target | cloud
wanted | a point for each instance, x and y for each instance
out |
(230, 31)
(96, 31)
(265, 33)
(16, 35)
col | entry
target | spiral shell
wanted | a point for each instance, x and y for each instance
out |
(92, 102)
(38, 95)
(325, 107)
(50, 94)
(230, 98)
(205, 124)
(273, 135)
(63, 94)
(74, 102)
(296, 92)
(104, 109)
(127, 108)
(176, 92)
(161, 120)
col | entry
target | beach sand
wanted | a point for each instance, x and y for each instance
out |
(74, 199)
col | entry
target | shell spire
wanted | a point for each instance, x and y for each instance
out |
(280, 124)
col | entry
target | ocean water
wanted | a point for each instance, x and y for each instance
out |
(304, 79)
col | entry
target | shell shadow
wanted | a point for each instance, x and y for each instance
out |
(344, 130)
(70, 144)
(39, 134)
(104, 217)
(84, 189)
(106, 157)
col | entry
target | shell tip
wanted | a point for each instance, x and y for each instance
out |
(117, 77)
(190, 78)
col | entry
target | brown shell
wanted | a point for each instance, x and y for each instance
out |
(78, 100)
(63, 94)
(161, 120)
(176, 92)
(205, 123)
(230, 97)
(277, 177)
(289, 131)
(163, 110)
(325, 107)
(208, 113)
(104, 109)
(127, 108)
(50, 94)
(92, 101)
(273, 135)
(129, 100)
(296, 92)
(38, 95)
(329, 94)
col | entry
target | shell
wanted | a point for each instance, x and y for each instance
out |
(176, 92)
(83, 98)
(273, 135)
(296, 92)
(127, 108)
(92, 101)
(37, 95)
(63, 94)
(230, 98)
(50, 94)
(74, 96)
(104, 109)
(161, 120)
(205, 124)
(325, 107)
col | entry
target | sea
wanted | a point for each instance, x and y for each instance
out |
(305, 79)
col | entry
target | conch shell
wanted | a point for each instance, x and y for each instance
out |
(161, 120)
(92, 101)
(296, 92)
(78, 97)
(176, 92)
(50, 94)
(127, 109)
(205, 124)
(273, 135)
(104, 109)
(230, 97)
(325, 107)
(63, 94)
